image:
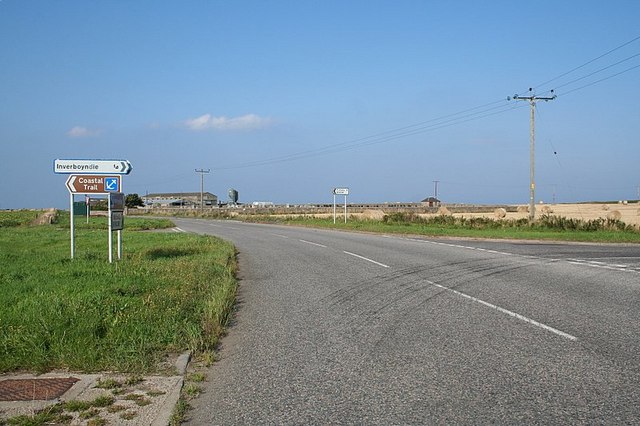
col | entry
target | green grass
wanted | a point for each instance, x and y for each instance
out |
(550, 228)
(170, 292)
(9, 218)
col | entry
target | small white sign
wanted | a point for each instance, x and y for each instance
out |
(341, 191)
(96, 167)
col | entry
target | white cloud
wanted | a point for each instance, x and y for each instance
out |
(244, 122)
(82, 132)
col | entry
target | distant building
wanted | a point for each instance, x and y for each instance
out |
(262, 204)
(431, 202)
(180, 199)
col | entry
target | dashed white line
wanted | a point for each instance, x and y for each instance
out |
(176, 229)
(281, 236)
(508, 312)
(312, 243)
(365, 258)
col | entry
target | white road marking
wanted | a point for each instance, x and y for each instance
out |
(602, 265)
(312, 243)
(176, 229)
(281, 236)
(508, 312)
(365, 258)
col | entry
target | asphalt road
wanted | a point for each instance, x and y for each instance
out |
(343, 328)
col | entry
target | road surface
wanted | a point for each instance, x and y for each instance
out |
(345, 328)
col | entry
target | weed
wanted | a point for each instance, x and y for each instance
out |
(134, 380)
(140, 400)
(75, 405)
(103, 401)
(116, 408)
(108, 384)
(197, 377)
(98, 421)
(192, 390)
(92, 412)
(179, 412)
(129, 415)
(154, 393)
(51, 415)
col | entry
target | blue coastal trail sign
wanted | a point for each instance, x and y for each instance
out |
(96, 167)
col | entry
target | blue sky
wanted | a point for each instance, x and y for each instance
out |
(284, 100)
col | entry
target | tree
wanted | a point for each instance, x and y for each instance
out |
(133, 200)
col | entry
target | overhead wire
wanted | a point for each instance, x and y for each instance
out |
(448, 120)
(589, 62)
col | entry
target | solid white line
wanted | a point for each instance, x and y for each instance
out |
(365, 258)
(312, 243)
(508, 312)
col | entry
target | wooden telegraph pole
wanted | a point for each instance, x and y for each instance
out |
(532, 141)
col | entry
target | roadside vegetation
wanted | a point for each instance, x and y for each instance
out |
(546, 227)
(171, 292)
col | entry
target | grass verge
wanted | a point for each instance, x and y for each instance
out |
(170, 292)
(550, 228)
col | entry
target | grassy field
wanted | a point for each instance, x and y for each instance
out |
(169, 293)
(549, 228)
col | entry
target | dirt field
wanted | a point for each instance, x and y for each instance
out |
(629, 213)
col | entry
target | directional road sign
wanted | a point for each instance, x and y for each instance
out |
(95, 167)
(341, 191)
(93, 184)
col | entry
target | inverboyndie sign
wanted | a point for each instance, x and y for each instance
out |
(98, 167)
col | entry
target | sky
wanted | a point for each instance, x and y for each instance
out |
(285, 100)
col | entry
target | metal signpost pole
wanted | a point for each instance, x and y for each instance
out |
(120, 232)
(345, 208)
(110, 232)
(73, 242)
(334, 208)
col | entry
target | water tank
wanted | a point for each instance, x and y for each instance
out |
(233, 196)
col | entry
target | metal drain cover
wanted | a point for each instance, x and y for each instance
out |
(35, 389)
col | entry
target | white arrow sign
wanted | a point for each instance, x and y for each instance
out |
(341, 191)
(96, 167)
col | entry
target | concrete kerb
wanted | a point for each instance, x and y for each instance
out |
(165, 391)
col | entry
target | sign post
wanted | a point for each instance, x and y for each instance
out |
(340, 191)
(98, 177)
(116, 221)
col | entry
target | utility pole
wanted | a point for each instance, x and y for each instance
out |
(435, 189)
(532, 142)
(202, 172)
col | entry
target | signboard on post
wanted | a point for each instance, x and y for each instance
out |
(116, 201)
(340, 191)
(93, 184)
(98, 177)
(117, 221)
(93, 167)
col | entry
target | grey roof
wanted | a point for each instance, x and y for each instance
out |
(179, 195)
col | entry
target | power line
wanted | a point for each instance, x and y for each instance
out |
(600, 81)
(589, 62)
(383, 137)
(470, 114)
